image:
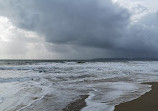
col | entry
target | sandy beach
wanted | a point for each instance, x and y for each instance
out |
(147, 102)
(46, 104)
(77, 105)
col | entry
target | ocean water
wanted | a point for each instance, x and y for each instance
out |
(25, 83)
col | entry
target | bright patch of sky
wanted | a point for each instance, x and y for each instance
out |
(138, 8)
(150, 4)
(18, 43)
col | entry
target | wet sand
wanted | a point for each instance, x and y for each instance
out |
(147, 102)
(77, 105)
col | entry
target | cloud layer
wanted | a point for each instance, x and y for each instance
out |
(86, 26)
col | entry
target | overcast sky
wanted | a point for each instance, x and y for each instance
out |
(78, 29)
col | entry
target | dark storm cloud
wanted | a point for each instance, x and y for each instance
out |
(87, 23)
(143, 37)
(84, 22)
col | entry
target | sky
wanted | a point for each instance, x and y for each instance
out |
(78, 29)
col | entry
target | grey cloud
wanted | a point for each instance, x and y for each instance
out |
(95, 24)
(138, 9)
(141, 39)
(84, 22)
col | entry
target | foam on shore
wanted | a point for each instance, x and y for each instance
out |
(53, 86)
(147, 102)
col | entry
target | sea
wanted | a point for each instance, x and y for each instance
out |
(25, 84)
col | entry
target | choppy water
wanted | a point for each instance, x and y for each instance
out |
(24, 83)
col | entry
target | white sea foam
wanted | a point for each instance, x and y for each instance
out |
(106, 83)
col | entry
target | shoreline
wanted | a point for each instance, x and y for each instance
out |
(77, 105)
(146, 102)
